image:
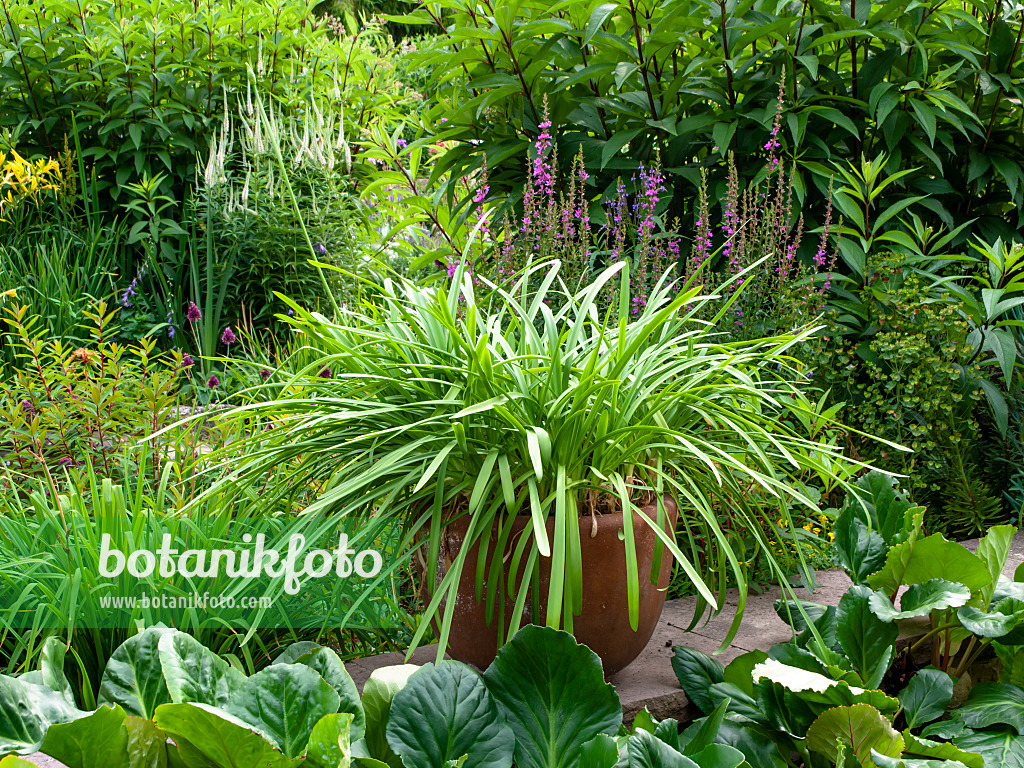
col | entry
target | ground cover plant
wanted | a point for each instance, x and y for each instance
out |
(543, 702)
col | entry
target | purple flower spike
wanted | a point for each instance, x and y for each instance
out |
(228, 337)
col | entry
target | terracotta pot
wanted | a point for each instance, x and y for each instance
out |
(604, 623)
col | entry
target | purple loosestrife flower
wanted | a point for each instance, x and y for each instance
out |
(773, 138)
(213, 382)
(27, 407)
(228, 337)
(543, 173)
(193, 314)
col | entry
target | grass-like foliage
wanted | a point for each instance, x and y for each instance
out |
(439, 402)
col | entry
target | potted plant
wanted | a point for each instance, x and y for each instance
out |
(503, 428)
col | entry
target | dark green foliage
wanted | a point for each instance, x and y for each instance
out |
(142, 85)
(935, 88)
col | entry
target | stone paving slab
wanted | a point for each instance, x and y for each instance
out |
(649, 681)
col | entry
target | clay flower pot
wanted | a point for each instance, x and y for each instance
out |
(603, 624)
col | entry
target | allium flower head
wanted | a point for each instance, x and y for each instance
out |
(264, 373)
(213, 382)
(193, 314)
(187, 360)
(325, 373)
(228, 337)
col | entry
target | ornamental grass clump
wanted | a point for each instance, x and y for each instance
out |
(491, 402)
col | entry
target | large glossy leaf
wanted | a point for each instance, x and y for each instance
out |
(790, 612)
(926, 696)
(860, 551)
(378, 693)
(51, 668)
(552, 692)
(330, 742)
(817, 688)
(701, 733)
(1009, 589)
(884, 761)
(13, 761)
(865, 639)
(992, 704)
(133, 677)
(148, 746)
(785, 711)
(997, 623)
(741, 704)
(97, 740)
(760, 746)
(918, 560)
(326, 663)
(920, 600)
(719, 756)
(26, 711)
(602, 751)
(696, 673)
(882, 504)
(993, 550)
(918, 747)
(648, 751)
(739, 669)
(284, 701)
(207, 736)
(1000, 748)
(193, 673)
(444, 712)
(860, 728)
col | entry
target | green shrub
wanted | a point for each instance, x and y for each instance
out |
(142, 84)
(935, 87)
(897, 350)
(66, 407)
